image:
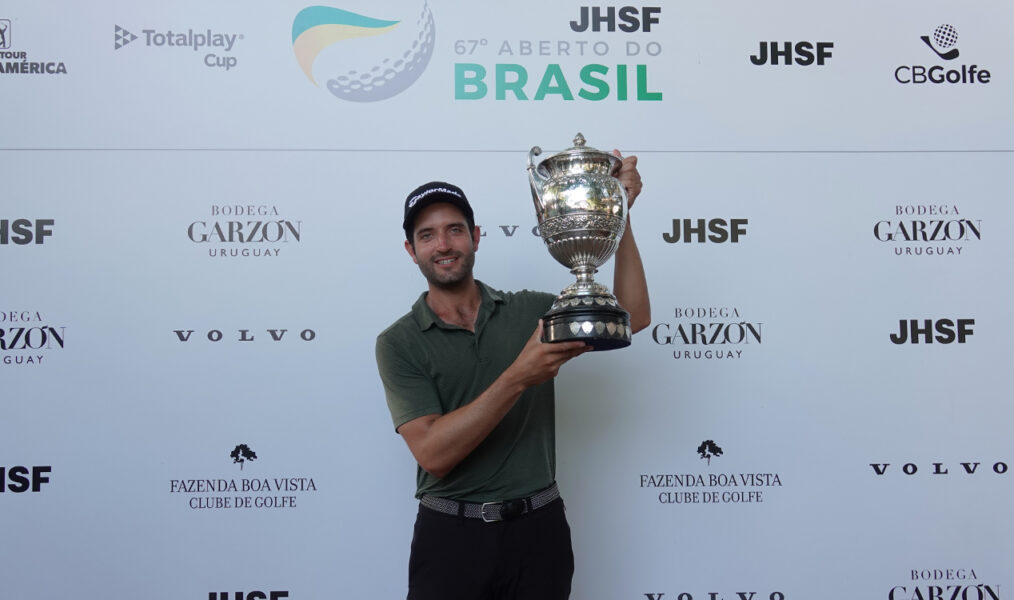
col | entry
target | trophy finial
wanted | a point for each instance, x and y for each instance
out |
(579, 140)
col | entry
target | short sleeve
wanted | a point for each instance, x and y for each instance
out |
(409, 389)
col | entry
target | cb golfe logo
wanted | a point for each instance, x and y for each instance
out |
(944, 38)
(368, 58)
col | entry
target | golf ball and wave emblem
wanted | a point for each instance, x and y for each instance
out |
(375, 75)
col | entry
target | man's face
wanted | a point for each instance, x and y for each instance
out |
(444, 245)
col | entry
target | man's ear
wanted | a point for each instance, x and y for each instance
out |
(411, 251)
(476, 234)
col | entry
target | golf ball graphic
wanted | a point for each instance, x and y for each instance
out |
(368, 59)
(945, 36)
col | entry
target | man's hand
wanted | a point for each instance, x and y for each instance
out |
(540, 361)
(629, 176)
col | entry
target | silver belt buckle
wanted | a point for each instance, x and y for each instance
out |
(482, 512)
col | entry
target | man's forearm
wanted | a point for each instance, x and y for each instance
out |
(629, 282)
(440, 442)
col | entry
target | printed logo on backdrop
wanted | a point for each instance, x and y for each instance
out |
(600, 53)
(706, 231)
(21, 232)
(28, 339)
(943, 51)
(245, 231)
(211, 48)
(525, 233)
(20, 479)
(929, 230)
(958, 469)
(715, 596)
(122, 37)
(16, 61)
(711, 486)
(945, 584)
(708, 449)
(933, 331)
(803, 54)
(215, 336)
(944, 38)
(709, 333)
(242, 453)
(275, 595)
(252, 491)
(365, 58)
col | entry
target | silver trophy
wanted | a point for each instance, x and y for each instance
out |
(582, 212)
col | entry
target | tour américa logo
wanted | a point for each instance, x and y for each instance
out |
(15, 60)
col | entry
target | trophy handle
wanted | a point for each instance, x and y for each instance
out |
(536, 180)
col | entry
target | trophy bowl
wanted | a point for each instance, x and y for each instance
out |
(582, 213)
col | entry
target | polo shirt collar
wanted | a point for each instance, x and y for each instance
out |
(426, 318)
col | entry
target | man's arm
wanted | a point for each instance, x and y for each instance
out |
(629, 283)
(440, 442)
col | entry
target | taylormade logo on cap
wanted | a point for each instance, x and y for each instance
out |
(412, 201)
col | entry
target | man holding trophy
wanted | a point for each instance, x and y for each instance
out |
(468, 375)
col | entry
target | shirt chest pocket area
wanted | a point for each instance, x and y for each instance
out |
(462, 369)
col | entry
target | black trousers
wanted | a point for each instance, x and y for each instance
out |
(456, 558)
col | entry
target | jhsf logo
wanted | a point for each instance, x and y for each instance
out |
(380, 58)
(22, 479)
(800, 53)
(911, 330)
(25, 231)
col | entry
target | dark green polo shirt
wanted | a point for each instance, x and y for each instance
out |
(430, 367)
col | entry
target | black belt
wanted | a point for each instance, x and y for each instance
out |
(491, 512)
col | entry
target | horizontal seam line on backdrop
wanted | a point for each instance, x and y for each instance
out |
(469, 150)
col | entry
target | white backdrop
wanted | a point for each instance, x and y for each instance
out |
(136, 358)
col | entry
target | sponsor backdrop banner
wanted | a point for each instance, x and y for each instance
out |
(200, 239)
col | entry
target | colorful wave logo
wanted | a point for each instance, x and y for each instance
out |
(366, 76)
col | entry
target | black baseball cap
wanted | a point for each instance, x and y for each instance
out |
(431, 193)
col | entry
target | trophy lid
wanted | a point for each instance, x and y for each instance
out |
(581, 145)
(581, 152)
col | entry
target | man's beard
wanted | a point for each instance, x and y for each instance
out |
(449, 279)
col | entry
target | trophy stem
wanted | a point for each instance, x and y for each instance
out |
(584, 274)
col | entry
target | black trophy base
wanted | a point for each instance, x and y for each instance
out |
(603, 327)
